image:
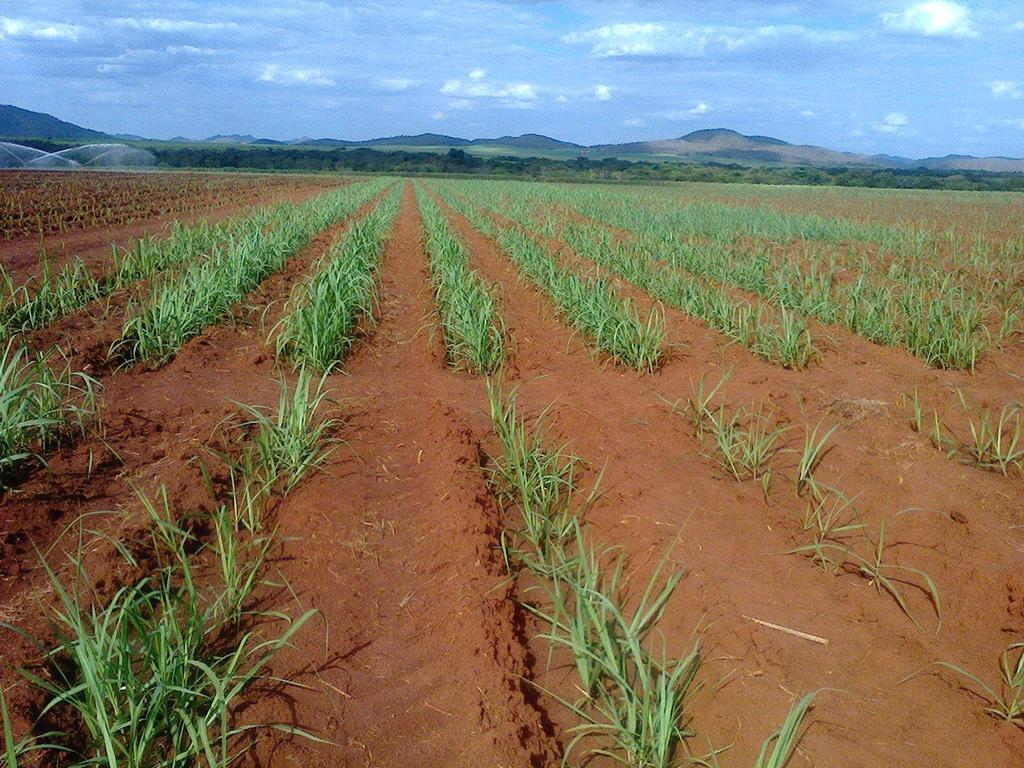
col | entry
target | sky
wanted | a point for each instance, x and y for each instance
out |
(878, 76)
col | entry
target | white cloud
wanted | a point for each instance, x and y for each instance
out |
(894, 122)
(520, 95)
(25, 29)
(634, 122)
(274, 73)
(189, 50)
(648, 39)
(936, 18)
(638, 39)
(807, 113)
(1006, 89)
(762, 35)
(679, 115)
(175, 25)
(602, 92)
(437, 116)
(396, 83)
(1018, 27)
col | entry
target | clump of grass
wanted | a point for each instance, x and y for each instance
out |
(290, 441)
(778, 748)
(1007, 701)
(789, 344)
(832, 522)
(699, 404)
(745, 441)
(39, 405)
(811, 455)
(528, 473)
(994, 440)
(832, 528)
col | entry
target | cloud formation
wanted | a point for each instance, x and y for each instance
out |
(275, 73)
(936, 18)
(1006, 89)
(689, 41)
(894, 122)
(476, 86)
(37, 30)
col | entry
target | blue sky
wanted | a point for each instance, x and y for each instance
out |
(909, 78)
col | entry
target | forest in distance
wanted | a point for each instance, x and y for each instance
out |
(459, 162)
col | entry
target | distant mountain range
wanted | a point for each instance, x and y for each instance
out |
(713, 145)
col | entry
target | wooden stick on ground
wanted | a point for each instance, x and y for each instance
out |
(788, 631)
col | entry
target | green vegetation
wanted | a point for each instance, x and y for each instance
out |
(154, 674)
(634, 694)
(148, 674)
(473, 332)
(39, 406)
(319, 324)
(456, 161)
(993, 440)
(42, 300)
(588, 303)
(939, 298)
(1007, 701)
(179, 308)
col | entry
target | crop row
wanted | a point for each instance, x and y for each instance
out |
(473, 331)
(935, 318)
(782, 338)
(41, 401)
(48, 297)
(180, 307)
(154, 674)
(589, 303)
(320, 320)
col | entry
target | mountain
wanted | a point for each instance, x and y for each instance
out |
(231, 138)
(709, 145)
(527, 141)
(419, 140)
(16, 122)
(970, 163)
(723, 145)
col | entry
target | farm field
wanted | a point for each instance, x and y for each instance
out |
(391, 472)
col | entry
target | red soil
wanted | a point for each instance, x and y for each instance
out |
(20, 257)
(422, 655)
